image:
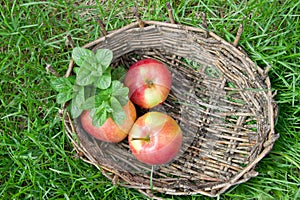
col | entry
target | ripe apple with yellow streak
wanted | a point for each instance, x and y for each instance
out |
(155, 138)
(149, 82)
(110, 131)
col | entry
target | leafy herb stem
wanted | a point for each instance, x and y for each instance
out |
(95, 87)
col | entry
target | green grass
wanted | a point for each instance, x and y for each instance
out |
(37, 159)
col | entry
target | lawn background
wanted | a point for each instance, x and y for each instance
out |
(37, 161)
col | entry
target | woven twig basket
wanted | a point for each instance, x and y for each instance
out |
(222, 101)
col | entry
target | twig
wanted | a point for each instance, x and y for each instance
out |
(204, 24)
(137, 15)
(267, 69)
(238, 35)
(71, 64)
(70, 41)
(170, 12)
(50, 69)
(102, 26)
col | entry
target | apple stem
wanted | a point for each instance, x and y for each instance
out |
(147, 139)
(149, 83)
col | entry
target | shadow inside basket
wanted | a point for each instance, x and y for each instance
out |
(217, 136)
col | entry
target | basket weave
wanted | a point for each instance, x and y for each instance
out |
(222, 101)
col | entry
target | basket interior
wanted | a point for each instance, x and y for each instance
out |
(218, 97)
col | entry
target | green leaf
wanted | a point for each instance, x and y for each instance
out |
(77, 102)
(85, 77)
(106, 105)
(76, 69)
(79, 96)
(122, 99)
(118, 89)
(65, 88)
(118, 113)
(116, 85)
(62, 84)
(120, 92)
(97, 99)
(72, 80)
(89, 91)
(91, 64)
(100, 114)
(103, 95)
(63, 97)
(104, 57)
(75, 110)
(102, 118)
(104, 81)
(80, 55)
(99, 71)
(89, 103)
(119, 73)
(77, 88)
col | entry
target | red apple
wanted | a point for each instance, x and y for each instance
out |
(110, 131)
(149, 82)
(155, 138)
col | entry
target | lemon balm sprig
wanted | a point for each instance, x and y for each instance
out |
(95, 87)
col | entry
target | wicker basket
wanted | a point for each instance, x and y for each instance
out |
(219, 97)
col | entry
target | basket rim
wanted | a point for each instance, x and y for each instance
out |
(237, 49)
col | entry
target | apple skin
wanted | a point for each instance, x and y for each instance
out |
(149, 82)
(110, 131)
(155, 138)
